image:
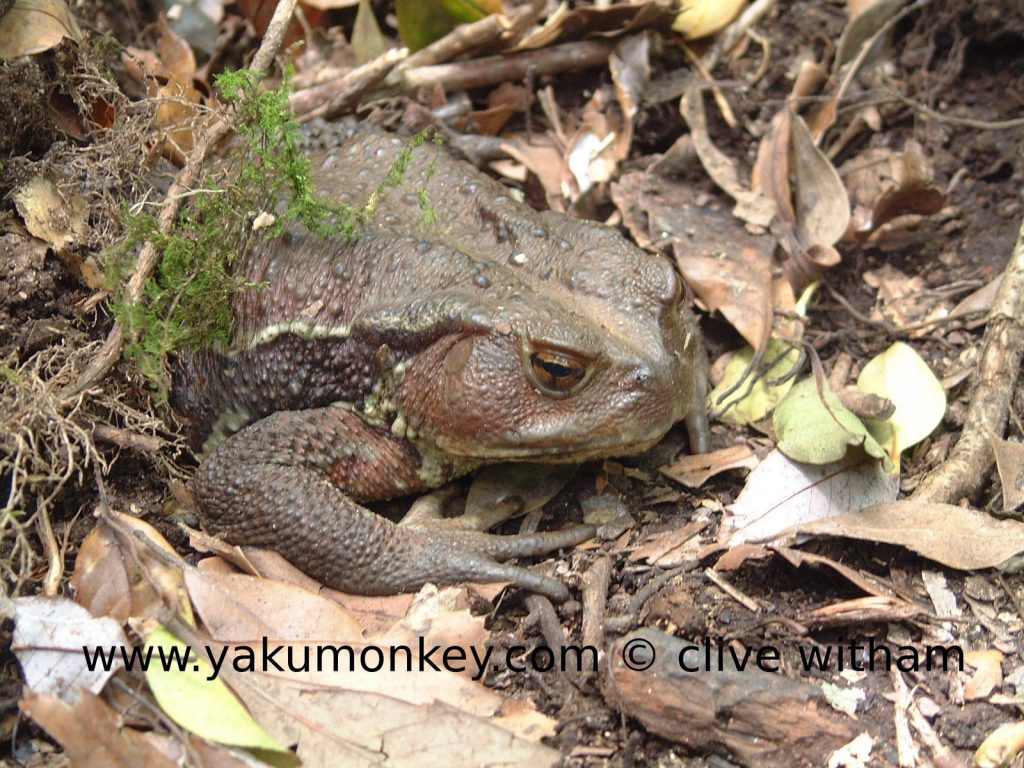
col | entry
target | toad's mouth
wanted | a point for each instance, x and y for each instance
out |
(565, 453)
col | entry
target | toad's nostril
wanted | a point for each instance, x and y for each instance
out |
(643, 377)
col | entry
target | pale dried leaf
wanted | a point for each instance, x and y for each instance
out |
(49, 634)
(59, 220)
(34, 26)
(695, 470)
(751, 206)
(1010, 463)
(780, 494)
(988, 673)
(954, 536)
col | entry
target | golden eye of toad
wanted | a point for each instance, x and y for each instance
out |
(555, 371)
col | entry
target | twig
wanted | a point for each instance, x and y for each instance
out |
(595, 599)
(148, 257)
(747, 602)
(968, 122)
(963, 473)
(491, 70)
(463, 39)
(335, 96)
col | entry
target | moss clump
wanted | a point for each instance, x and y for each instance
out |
(186, 304)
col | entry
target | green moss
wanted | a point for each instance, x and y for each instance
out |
(186, 304)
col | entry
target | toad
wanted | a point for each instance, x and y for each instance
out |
(364, 370)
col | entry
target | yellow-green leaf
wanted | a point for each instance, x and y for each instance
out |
(743, 407)
(202, 705)
(902, 376)
(813, 431)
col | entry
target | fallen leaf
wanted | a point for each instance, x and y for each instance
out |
(751, 205)
(92, 733)
(1010, 464)
(727, 267)
(1000, 747)
(669, 548)
(861, 27)
(943, 598)
(903, 377)
(821, 203)
(693, 470)
(988, 673)
(49, 636)
(174, 53)
(813, 430)
(59, 220)
(235, 606)
(780, 494)
(701, 18)
(198, 701)
(107, 578)
(884, 184)
(34, 26)
(954, 536)
(368, 41)
(754, 397)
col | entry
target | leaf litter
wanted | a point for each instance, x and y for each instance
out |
(822, 189)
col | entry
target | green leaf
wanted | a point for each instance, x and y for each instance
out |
(202, 705)
(900, 375)
(816, 432)
(748, 407)
(421, 22)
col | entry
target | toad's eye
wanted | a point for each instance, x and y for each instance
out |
(556, 373)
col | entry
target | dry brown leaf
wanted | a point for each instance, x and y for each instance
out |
(695, 470)
(91, 734)
(335, 726)
(57, 219)
(175, 54)
(609, 21)
(751, 206)
(903, 300)
(728, 268)
(523, 719)
(822, 206)
(1010, 463)
(669, 548)
(954, 536)
(181, 119)
(107, 580)
(864, 581)
(988, 673)
(34, 26)
(884, 184)
(236, 607)
(546, 160)
(506, 100)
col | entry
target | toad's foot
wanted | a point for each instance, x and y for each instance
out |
(269, 486)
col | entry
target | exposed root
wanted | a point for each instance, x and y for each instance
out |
(46, 446)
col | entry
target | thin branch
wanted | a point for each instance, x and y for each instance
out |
(968, 466)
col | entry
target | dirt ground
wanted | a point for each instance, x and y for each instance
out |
(959, 66)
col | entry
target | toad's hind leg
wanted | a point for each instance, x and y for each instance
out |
(279, 484)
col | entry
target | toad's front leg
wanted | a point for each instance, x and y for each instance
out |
(288, 482)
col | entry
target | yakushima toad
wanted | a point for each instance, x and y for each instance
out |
(430, 346)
